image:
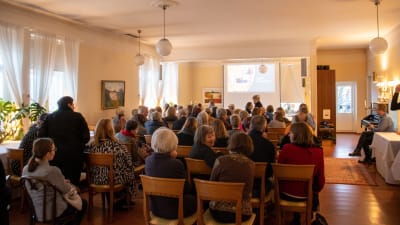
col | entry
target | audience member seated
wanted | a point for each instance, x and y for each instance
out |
(170, 114)
(154, 123)
(221, 135)
(204, 139)
(5, 196)
(264, 150)
(278, 121)
(119, 120)
(282, 111)
(248, 107)
(302, 151)
(128, 134)
(104, 141)
(178, 124)
(235, 122)
(44, 151)
(223, 116)
(144, 111)
(300, 117)
(246, 124)
(163, 163)
(310, 118)
(203, 118)
(235, 167)
(385, 125)
(27, 143)
(270, 113)
(186, 134)
(141, 130)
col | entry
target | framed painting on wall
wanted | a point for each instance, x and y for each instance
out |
(212, 94)
(112, 94)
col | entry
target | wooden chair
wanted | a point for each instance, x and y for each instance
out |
(14, 180)
(165, 187)
(183, 151)
(219, 191)
(196, 166)
(260, 202)
(147, 137)
(224, 150)
(47, 191)
(290, 172)
(102, 160)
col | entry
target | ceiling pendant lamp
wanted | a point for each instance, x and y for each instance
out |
(164, 46)
(139, 59)
(378, 45)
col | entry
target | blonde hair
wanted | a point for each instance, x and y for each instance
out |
(164, 140)
(219, 128)
(103, 130)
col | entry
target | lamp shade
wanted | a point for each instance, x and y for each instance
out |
(378, 45)
(163, 47)
(263, 68)
(139, 59)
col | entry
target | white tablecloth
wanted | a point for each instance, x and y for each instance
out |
(385, 147)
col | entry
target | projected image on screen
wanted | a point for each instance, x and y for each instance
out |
(247, 78)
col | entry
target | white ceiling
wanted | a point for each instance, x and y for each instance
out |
(330, 23)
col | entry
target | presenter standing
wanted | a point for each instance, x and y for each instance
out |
(257, 102)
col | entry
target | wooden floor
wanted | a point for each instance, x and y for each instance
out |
(340, 204)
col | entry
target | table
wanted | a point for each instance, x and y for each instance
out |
(385, 147)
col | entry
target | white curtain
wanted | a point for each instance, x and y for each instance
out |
(149, 81)
(11, 53)
(42, 61)
(71, 63)
(170, 77)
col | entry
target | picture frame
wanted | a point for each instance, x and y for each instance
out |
(112, 94)
(212, 94)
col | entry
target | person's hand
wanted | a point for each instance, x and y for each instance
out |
(397, 89)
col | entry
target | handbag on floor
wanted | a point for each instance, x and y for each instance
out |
(319, 220)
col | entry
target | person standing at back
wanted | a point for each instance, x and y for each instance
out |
(70, 133)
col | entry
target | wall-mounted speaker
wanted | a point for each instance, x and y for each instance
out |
(303, 67)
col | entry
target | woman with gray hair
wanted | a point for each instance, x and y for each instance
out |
(163, 163)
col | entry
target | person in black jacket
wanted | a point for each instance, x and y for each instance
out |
(204, 139)
(186, 134)
(394, 105)
(5, 196)
(70, 133)
(264, 150)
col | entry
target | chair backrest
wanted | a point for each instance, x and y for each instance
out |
(291, 172)
(218, 191)
(48, 194)
(16, 154)
(183, 151)
(94, 160)
(147, 137)
(224, 150)
(259, 173)
(196, 166)
(165, 187)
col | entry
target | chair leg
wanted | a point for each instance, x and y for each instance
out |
(111, 207)
(262, 208)
(22, 200)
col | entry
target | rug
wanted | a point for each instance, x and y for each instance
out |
(347, 171)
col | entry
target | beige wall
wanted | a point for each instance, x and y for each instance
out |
(350, 65)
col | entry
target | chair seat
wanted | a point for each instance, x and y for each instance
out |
(293, 204)
(209, 220)
(139, 169)
(105, 187)
(268, 198)
(159, 220)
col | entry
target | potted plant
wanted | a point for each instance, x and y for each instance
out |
(12, 117)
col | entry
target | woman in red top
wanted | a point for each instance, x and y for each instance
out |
(302, 151)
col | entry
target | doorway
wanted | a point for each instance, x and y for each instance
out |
(345, 106)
